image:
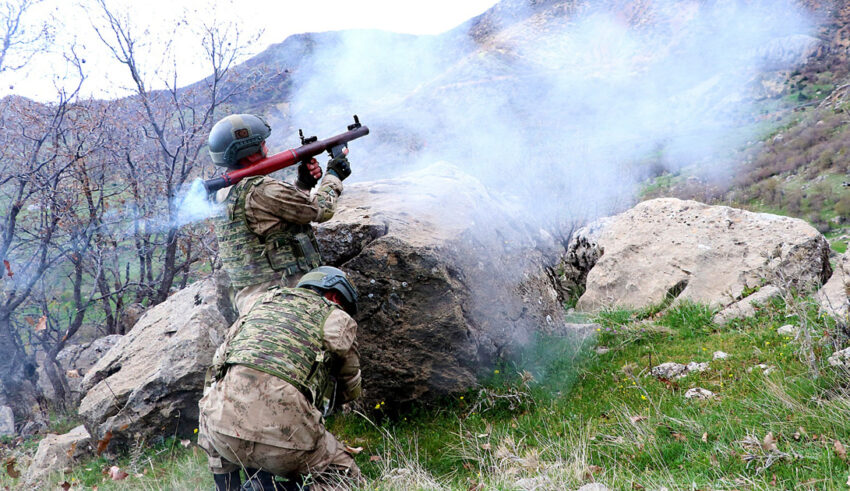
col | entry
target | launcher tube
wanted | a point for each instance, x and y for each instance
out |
(283, 159)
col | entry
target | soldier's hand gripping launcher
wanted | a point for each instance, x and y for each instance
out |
(310, 148)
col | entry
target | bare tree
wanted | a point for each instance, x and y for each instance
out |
(19, 40)
(164, 142)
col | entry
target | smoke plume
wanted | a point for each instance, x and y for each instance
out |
(561, 107)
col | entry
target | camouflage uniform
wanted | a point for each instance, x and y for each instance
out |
(260, 411)
(264, 234)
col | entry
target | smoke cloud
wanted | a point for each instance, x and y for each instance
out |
(560, 112)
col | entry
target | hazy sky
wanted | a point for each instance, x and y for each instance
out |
(156, 18)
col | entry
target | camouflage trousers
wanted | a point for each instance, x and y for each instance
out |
(328, 467)
(262, 401)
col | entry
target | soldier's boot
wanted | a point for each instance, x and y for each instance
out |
(228, 482)
(259, 480)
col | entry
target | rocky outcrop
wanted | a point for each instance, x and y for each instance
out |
(57, 453)
(667, 248)
(75, 362)
(834, 297)
(150, 382)
(7, 421)
(746, 307)
(449, 281)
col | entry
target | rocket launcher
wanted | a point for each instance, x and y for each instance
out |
(310, 147)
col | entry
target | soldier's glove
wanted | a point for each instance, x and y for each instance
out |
(306, 180)
(339, 167)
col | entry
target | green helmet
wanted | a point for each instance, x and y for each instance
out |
(326, 278)
(236, 137)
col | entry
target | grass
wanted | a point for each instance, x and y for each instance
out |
(567, 413)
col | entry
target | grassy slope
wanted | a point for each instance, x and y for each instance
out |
(587, 416)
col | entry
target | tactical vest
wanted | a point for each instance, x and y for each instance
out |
(250, 259)
(283, 336)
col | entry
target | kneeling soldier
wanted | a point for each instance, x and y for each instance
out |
(291, 355)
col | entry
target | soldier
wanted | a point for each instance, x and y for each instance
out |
(265, 234)
(284, 360)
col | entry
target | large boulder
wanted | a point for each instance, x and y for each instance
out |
(667, 248)
(449, 280)
(150, 382)
(75, 362)
(834, 297)
(57, 453)
(7, 421)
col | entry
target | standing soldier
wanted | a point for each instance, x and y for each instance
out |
(265, 234)
(290, 356)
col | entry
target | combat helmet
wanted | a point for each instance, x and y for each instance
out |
(236, 137)
(326, 278)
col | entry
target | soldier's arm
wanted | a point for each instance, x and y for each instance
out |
(340, 332)
(273, 202)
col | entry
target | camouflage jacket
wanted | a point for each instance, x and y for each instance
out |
(281, 342)
(264, 232)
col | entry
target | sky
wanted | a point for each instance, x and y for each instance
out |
(71, 23)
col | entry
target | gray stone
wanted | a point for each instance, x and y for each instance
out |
(443, 295)
(720, 355)
(148, 385)
(840, 358)
(7, 421)
(75, 361)
(594, 486)
(699, 393)
(765, 369)
(833, 297)
(57, 453)
(671, 370)
(788, 330)
(746, 307)
(669, 248)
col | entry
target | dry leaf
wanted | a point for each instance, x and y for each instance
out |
(705, 437)
(840, 450)
(116, 474)
(65, 486)
(679, 437)
(75, 373)
(638, 419)
(353, 450)
(375, 458)
(485, 446)
(30, 321)
(769, 443)
(637, 486)
(185, 443)
(10, 468)
(591, 470)
(42, 324)
(103, 443)
(8, 266)
(71, 450)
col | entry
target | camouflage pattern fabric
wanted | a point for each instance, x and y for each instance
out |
(282, 336)
(265, 232)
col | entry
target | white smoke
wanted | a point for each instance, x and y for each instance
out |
(559, 112)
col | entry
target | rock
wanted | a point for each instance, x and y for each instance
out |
(746, 307)
(765, 369)
(76, 361)
(694, 367)
(669, 371)
(833, 297)
(594, 486)
(450, 280)
(601, 350)
(669, 248)
(840, 358)
(720, 355)
(788, 330)
(57, 453)
(149, 383)
(7, 421)
(699, 393)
